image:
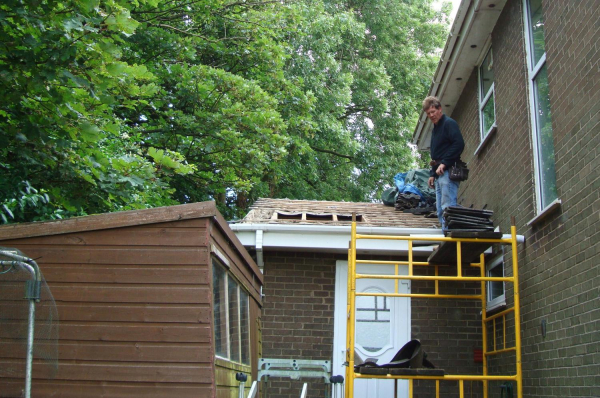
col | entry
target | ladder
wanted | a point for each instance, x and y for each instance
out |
(497, 321)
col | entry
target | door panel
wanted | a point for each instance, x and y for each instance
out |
(382, 326)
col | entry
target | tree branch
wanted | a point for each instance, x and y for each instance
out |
(200, 36)
(331, 152)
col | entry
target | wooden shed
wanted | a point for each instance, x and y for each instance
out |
(160, 302)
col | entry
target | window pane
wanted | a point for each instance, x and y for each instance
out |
(220, 310)
(486, 74)
(488, 115)
(536, 24)
(234, 320)
(545, 138)
(372, 322)
(245, 327)
(496, 288)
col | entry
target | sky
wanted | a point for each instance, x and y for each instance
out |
(455, 3)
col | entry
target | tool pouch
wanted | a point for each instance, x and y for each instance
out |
(459, 172)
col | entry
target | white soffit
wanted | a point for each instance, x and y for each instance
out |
(331, 239)
(472, 27)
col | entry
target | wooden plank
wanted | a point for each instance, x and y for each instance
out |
(134, 313)
(126, 372)
(117, 255)
(126, 274)
(172, 235)
(197, 223)
(112, 312)
(131, 293)
(104, 389)
(109, 220)
(133, 332)
(116, 352)
(470, 251)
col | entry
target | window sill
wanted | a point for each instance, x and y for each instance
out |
(551, 208)
(486, 139)
(226, 363)
(491, 309)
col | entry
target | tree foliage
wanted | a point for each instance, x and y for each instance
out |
(113, 105)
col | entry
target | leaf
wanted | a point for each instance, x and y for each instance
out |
(116, 68)
(7, 210)
(89, 132)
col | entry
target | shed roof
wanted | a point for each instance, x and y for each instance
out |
(129, 219)
(319, 212)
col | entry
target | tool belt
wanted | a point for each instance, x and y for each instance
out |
(457, 172)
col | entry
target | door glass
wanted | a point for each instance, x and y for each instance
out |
(373, 321)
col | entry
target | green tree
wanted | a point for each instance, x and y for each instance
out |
(368, 65)
(112, 105)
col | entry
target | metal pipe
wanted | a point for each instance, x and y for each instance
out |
(31, 266)
(439, 278)
(445, 377)
(29, 362)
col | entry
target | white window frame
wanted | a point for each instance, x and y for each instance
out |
(485, 97)
(217, 263)
(500, 301)
(532, 73)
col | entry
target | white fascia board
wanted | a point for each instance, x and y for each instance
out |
(328, 238)
(333, 238)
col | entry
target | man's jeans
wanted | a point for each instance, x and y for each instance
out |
(446, 192)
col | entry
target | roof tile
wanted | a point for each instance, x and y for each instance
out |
(373, 214)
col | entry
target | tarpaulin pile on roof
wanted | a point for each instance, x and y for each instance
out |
(411, 193)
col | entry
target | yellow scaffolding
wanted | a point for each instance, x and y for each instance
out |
(495, 350)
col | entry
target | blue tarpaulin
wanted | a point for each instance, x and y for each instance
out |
(415, 181)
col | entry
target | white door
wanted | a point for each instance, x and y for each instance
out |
(382, 326)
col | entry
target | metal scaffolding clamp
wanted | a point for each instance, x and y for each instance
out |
(294, 368)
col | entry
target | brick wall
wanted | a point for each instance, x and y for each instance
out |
(449, 330)
(298, 314)
(559, 278)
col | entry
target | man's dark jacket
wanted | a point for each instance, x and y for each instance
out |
(447, 143)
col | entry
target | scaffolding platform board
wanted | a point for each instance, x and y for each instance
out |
(470, 251)
(400, 371)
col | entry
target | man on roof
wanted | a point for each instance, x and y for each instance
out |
(447, 145)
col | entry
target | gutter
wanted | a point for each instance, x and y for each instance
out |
(333, 230)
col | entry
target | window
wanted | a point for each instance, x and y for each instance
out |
(495, 289)
(373, 321)
(539, 104)
(487, 112)
(231, 317)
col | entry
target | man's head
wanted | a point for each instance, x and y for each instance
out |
(433, 108)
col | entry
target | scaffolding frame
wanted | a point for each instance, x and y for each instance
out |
(485, 319)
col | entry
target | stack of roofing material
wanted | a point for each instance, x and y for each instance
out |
(459, 218)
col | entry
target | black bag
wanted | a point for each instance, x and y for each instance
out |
(459, 172)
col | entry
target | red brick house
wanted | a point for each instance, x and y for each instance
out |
(522, 79)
